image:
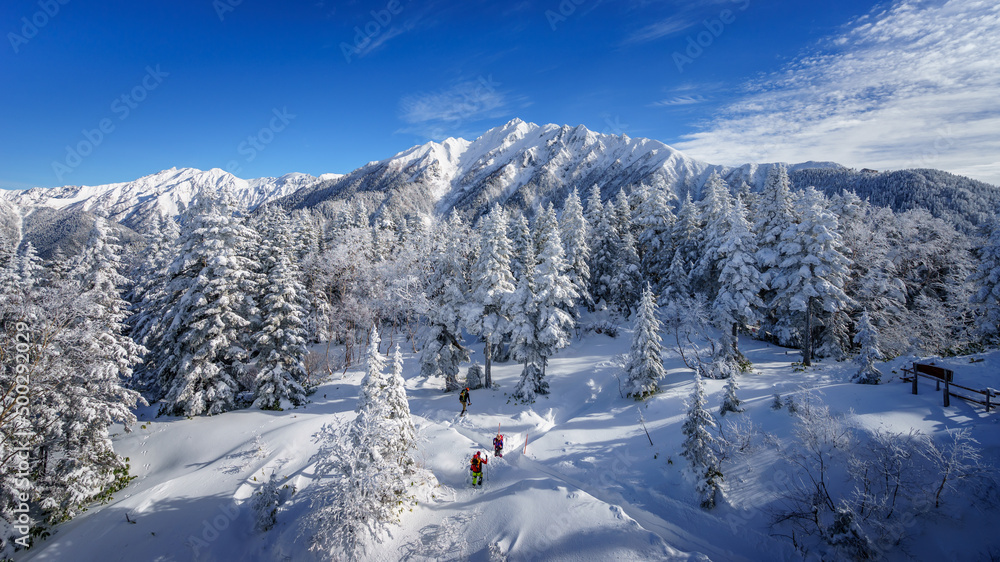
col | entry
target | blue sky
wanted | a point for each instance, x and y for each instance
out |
(106, 93)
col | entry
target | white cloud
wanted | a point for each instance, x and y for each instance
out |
(663, 28)
(680, 100)
(915, 85)
(447, 112)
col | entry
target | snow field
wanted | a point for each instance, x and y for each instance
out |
(589, 487)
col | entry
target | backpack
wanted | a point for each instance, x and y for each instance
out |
(498, 442)
(477, 464)
(463, 396)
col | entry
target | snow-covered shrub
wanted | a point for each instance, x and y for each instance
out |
(474, 376)
(265, 504)
(856, 492)
(867, 339)
(730, 402)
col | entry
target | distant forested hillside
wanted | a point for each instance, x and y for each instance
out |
(962, 201)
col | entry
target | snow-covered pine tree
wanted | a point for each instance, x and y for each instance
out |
(95, 357)
(369, 465)
(737, 302)
(200, 348)
(811, 269)
(677, 284)
(645, 364)
(655, 220)
(358, 494)
(986, 284)
(148, 297)
(699, 447)
(553, 295)
(576, 242)
(524, 317)
(604, 259)
(775, 217)
(627, 279)
(867, 339)
(447, 288)
(595, 206)
(280, 338)
(402, 432)
(687, 233)
(715, 212)
(491, 284)
(730, 401)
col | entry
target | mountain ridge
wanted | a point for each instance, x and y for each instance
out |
(519, 164)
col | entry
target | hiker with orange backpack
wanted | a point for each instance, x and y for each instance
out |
(463, 397)
(476, 466)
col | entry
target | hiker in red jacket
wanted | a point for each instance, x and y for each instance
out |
(478, 460)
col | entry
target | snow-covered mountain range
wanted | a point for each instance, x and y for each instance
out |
(165, 193)
(519, 164)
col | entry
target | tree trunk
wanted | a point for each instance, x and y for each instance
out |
(807, 339)
(489, 364)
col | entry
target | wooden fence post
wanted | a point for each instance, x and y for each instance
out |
(915, 381)
(947, 393)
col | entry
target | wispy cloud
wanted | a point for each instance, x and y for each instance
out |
(449, 111)
(680, 100)
(664, 28)
(914, 85)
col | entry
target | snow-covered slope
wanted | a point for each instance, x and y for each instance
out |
(579, 479)
(164, 193)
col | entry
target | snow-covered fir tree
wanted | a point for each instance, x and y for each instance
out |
(645, 364)
(524, 319)
(491, 283)
(655, 220)
(866, 339)
(200, 346)
(627, 279)
(699, 447)
(576, 242)
(546, 327)
(604, 259)
(811, 269)
(737, 302)
(280, 339)
(686, 235)
(775, 217)
(715, 211)
(366, 469)
(447, 289)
